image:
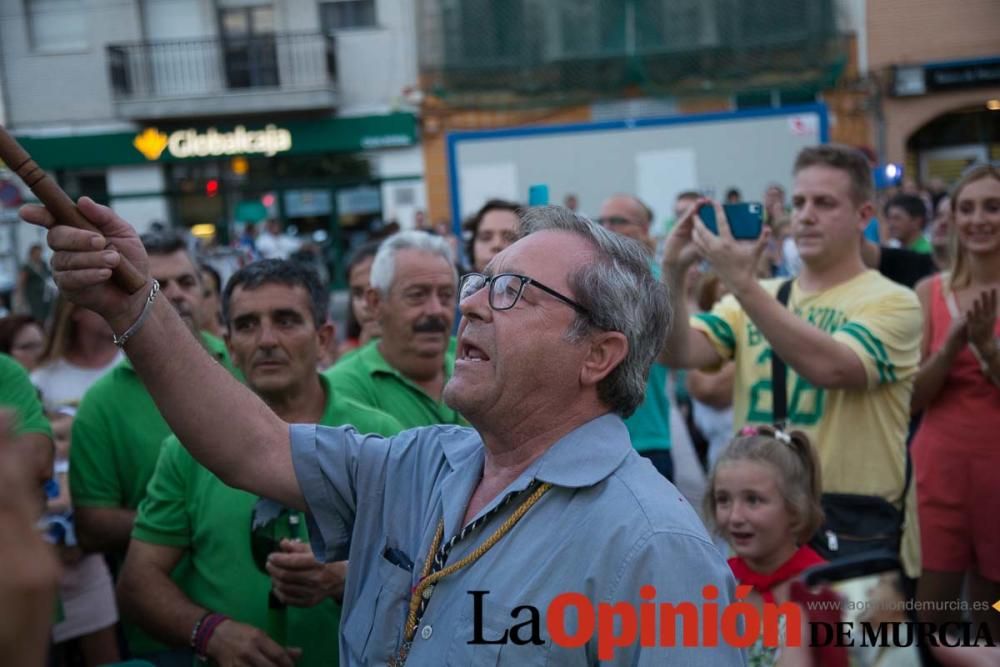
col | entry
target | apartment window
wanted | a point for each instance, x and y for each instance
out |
(57, 25)
(250, 51)
(346, 14)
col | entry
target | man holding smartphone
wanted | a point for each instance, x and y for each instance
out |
(849, 337)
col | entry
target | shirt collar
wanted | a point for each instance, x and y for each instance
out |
(375, 363)
(581, 458)
(585, 456)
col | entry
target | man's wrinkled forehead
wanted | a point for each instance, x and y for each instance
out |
(414, 266)
(174, 265)
(540, 252)
(509, 259)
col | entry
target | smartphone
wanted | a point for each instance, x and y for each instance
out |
(538, 195)
(746, 219)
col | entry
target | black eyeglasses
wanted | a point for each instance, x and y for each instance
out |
(506, 290)
(616, 221)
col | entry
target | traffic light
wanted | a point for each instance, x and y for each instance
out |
(212, 187)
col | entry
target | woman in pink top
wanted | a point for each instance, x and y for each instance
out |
(956, 451)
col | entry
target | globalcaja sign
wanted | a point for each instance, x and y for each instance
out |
(162, 143)
(190, 142)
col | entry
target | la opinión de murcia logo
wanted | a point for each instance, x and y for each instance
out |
(572, 619)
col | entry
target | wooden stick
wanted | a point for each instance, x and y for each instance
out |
(60, 205)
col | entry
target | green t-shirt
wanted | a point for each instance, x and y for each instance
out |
(18, 394)
(117, 434)
(649, 425)
(188, 507)
(368, 378)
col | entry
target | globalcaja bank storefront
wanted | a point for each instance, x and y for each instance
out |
(332, 179)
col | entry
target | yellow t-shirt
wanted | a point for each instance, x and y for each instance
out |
(860, 435)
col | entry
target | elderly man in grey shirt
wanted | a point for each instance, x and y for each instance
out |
(540, 537)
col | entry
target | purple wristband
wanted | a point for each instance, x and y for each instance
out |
(204, 634)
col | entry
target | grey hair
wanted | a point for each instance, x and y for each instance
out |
(621, 294)
(383, 270)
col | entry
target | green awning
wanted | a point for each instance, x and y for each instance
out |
(170, 142)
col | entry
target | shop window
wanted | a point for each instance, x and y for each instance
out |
(93, 184)
(347, 14)
(57, 25)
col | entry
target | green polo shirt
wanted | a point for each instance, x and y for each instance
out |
(18, 394)
(117, 434)
(368, 378)
(116, 439)
(189, 508)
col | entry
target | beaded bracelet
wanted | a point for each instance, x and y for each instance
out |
(197, 626)
(203, 633)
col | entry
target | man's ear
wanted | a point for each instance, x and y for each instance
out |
(606, 352)
(227, 338)
(865, 214)
(326, 333)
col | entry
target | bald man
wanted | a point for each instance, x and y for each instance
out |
(627, 215)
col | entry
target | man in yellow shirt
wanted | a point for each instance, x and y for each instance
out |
(850, 337)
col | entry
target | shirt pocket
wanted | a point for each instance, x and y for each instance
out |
(463, 654)
(377, 629)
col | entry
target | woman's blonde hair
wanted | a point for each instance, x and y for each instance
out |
(959, 256)
(794, 458)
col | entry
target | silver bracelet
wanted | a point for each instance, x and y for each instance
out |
(146, 308)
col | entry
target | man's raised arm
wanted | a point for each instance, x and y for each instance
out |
(811, 352)
(685, 346)
(222, 423)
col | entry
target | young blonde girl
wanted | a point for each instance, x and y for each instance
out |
(764, 499)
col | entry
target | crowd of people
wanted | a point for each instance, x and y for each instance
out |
(624, 404)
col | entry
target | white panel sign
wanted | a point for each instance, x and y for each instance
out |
(480, 182)
(661, 176)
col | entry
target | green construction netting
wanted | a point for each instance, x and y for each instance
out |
(509, 52)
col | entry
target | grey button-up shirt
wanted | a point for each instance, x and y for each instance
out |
(609, 526)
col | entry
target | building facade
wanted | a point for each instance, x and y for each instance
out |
(936, 66)
(914, 82)
(219, 113)
(506, 63)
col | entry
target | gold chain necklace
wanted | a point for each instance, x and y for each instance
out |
(425, 587)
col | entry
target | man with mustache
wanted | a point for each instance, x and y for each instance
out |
(276, 325)
(118, 431)
(412, 295)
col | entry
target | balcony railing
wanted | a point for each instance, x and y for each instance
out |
(194, 68)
